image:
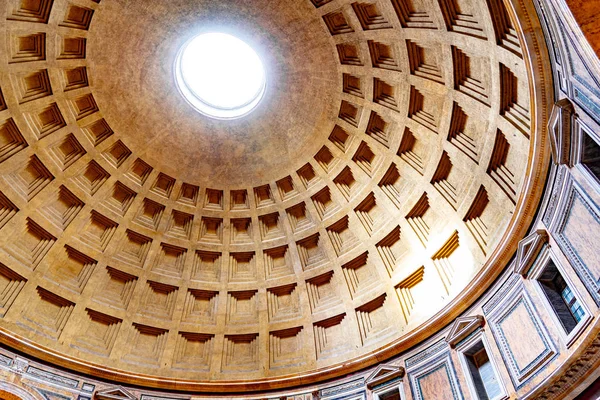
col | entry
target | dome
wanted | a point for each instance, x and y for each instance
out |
(372, 185)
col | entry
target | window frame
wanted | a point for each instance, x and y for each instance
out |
(389, 388)
(580, 130)
(466, 345)
(539, 266)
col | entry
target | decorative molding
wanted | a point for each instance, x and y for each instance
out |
(18, 392)
(500, 294)
(20, 365)
(53, 378)
(339, 391)
(543, 261)
(153, 397)
(529, 249)
(50, 395)
(463, 327)
(582, 267)
(5, 360)
(572, 376)
(550, 211)
(508, 304)
(435, 363)
(467, 349)
(114, 393)
(431, 351)
(559, 129)
(384, 373)
(88, 387)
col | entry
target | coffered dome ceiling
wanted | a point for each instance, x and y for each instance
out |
(132, 72)
(377, 190)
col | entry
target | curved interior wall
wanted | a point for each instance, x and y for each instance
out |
(423, 162)
(554, 363)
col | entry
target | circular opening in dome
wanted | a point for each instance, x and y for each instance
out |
(220, 75)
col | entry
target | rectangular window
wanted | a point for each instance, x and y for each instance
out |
(560, 296)
(573, 304)
(482, 372)
(391, 395)
(590, 156)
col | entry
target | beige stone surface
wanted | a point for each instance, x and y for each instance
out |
(131, 62)
(363, 205)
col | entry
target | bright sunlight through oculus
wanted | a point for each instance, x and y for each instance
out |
(220, 75)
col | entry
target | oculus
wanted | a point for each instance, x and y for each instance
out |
(220, 75)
